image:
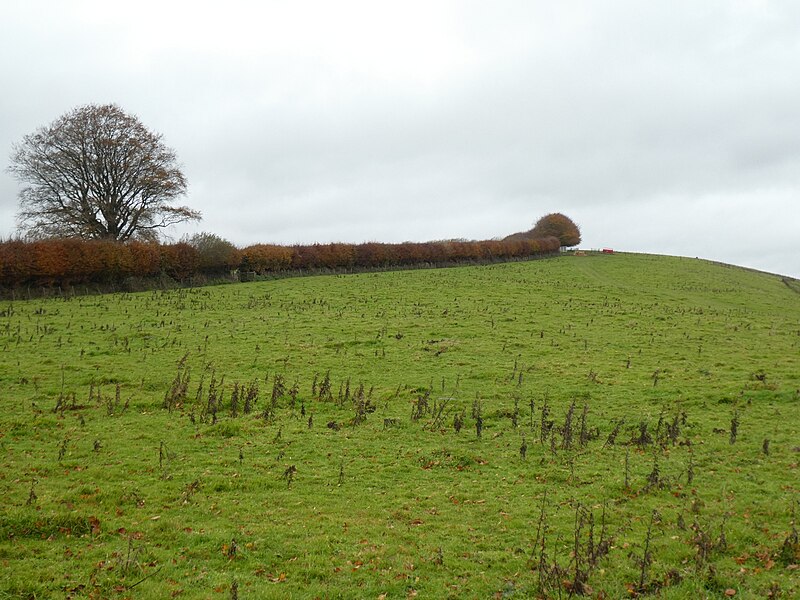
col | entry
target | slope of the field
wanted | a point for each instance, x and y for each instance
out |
(608, 425)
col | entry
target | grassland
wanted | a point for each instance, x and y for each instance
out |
(629, 425)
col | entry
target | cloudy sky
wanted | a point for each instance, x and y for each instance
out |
(669, 127)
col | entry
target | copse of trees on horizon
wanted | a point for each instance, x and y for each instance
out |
(553, 225)
(67, 262)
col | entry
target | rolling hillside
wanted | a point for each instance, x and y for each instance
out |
(609, 426)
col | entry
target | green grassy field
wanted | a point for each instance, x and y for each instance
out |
(629, 425)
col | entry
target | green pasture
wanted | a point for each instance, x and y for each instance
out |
(639, 421)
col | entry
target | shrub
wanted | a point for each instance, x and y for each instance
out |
(559, 226)
(215, 255)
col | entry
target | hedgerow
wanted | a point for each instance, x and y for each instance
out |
(69, 262)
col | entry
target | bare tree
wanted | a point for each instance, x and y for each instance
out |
(97, 173)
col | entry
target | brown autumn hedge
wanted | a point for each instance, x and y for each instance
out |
(67, 262)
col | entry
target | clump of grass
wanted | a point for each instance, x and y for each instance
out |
(612, 436)
(32, 497)
(278, 391)
(646, 559)
(643, 438)
(627, 468)
(439, 411)
(673, 430)
(288, 475)
(421, 406)
(655, 377)
(566, 429)
(232, 549)
(115, 406)
(703, 545)
(165, 458)
(293, 393)
(215, 398)
(586, 550)
(62, 449)
(515, 413)
(363, 405)
(477, 414)
(176, 394)
(251, 397)
(546, 423)
(655, 480)
(532, 406)
(789, 553)
(189, 491)
(33, 525)
(458, 420)
(324, 394)
(548, 573)
(734, 431)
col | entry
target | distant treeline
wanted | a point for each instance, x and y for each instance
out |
(69, 262)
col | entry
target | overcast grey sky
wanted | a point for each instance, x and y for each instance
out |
(668, 127)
